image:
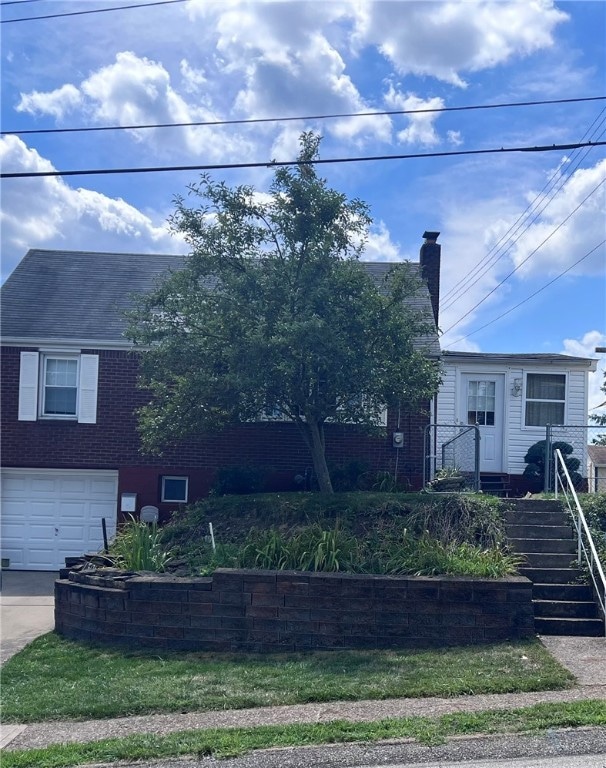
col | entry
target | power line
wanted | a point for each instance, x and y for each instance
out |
(246, 121)
(17, 2)
(282, 163)
(92, 10)
(551, 234)
(502, 246)
(532, 295)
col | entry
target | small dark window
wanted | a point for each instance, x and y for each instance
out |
(174, 489)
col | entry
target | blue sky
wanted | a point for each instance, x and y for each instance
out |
(202, 60)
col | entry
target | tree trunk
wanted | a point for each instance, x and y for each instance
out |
(316, 446)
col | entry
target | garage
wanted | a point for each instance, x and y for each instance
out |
(50, 514)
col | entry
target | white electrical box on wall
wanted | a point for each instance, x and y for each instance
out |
(128, 502)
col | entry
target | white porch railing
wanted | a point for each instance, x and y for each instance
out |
(586, 548)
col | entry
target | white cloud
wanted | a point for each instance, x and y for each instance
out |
(57, 103)
(575, 238)
(445, 39)
(283, 56)
(585, 347)
(380, 246)
(420, 128)
(47, 213)
(193, 78)
(136, 90)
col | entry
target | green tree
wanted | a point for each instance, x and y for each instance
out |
(272, 311)
(600, 418)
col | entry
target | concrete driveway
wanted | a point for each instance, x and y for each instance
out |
(27, 608)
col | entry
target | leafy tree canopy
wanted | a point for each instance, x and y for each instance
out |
(600, 418)
(273, 312)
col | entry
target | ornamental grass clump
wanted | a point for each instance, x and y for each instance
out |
(138, 547)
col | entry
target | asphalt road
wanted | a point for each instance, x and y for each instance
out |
(566, 748)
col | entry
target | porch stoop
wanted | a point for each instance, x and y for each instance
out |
(495, 483)
(541, 531)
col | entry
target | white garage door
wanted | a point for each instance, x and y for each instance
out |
(48, 515)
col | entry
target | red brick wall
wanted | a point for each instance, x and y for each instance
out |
(113, 442)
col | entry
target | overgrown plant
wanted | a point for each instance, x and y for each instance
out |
(138, 547)
(461, 519)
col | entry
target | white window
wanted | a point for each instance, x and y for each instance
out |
(174, 489)
(545, 399)
(481, 400)
(59, 386)
(54, 385)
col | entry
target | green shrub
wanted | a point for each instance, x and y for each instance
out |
(535, 460)
(138, 547)
(354, 532)
(460, 518)
(238, 480)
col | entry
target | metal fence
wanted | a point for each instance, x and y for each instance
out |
(452, 457)
(576, 438)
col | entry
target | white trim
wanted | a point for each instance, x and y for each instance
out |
(566, 402)
(175, 477)
(44, 358)
(113, 473)
(69, 344)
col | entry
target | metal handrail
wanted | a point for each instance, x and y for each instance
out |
(580, 523)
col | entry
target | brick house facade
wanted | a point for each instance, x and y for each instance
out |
(61, 310)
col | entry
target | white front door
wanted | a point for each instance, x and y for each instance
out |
(482, 404)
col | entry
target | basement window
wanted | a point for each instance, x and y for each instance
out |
(174, 489)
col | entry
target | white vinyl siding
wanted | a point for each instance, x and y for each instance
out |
(58, 386)
(518, 437)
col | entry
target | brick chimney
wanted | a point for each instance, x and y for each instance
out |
(429, 260)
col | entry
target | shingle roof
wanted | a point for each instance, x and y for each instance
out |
(69, 296)
(529, 357)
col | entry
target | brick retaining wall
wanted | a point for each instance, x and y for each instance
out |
(262, 611)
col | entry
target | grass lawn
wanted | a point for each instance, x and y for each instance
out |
(231, 742)
(56, 679)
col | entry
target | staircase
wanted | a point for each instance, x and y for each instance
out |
(541, 531)
(495, 483)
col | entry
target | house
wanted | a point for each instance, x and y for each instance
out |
(70, 448)
(511, 399)
(71, 451)
(596, 470)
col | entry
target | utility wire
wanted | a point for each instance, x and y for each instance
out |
(246, 121)
(92, 10)
(502, 246)
(17, 2)
(513, 271)
(532, 295)
(283, 163)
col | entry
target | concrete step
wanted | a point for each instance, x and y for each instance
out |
(553, 546)
(535, 505)
(553, 609)
(577, 627)
(550, 575)
(548, 560)
(539, 531)
(514, 517)
(574, 592)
